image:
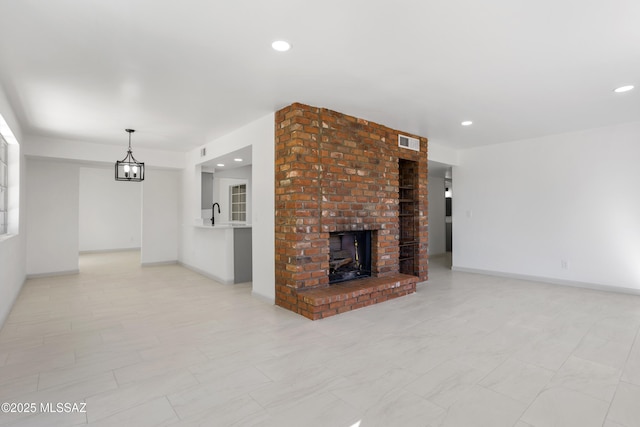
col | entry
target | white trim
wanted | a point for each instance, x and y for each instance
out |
(53, 274)
(6, 132)
(13, 301)
(263, 298)
(205, 274)
(550, 280)
(4, 186)
(158, 263)
(105, 251)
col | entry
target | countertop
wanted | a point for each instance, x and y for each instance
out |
(222, 226)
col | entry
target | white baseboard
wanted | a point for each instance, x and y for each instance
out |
(438, 255)
(106, 251)
(53, 274)
(550, 280)
(4, 316)
(205, 274)
(264, 298)
(155, 264)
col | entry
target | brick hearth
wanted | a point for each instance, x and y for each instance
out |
(316, 303)
(336, 172)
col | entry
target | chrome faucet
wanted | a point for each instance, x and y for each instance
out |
(213, 215)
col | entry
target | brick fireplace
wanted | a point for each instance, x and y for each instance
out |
(337, 174)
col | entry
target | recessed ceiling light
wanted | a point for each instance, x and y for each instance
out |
(237, 160)
(220, 164)
(281, 45)
(467, 123)
(623, 89)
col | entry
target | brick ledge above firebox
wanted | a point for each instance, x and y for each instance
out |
(323, 302)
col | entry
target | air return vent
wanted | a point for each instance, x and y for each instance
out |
(408, 142)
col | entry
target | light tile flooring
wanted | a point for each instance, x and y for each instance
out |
(165, 346)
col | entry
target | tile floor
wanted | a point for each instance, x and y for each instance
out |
(163, 346)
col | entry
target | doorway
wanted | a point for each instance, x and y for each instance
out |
(440, 212)
(109, 212)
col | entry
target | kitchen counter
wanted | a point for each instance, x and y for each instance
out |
(222, 226)
(225, 251)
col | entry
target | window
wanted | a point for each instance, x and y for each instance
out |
(4, 184)
(9, 182)
(239, 202)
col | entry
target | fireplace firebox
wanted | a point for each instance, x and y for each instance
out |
(349, 255)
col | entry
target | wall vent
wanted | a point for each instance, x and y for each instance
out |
(409, 142)
(203, 151)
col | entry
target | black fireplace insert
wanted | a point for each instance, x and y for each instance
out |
(349, 255)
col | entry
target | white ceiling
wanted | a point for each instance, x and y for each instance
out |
(185, 72)
(235, 159)
(439, 169)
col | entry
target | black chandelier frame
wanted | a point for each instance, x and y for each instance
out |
(129, 169)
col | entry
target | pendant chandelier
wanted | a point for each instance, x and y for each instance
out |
(129, 169)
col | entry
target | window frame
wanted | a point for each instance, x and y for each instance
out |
(4, 186)
(11, 159)
(238, 211)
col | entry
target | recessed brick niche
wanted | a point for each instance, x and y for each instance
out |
(338, 173)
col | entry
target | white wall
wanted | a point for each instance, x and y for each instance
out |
(527, 208)
(59, 160)
(160, 216)
(437, 240)
(52, 191)
(260, 136)
(263, 210)
(110, 211)
(13, 248)
(439, 152)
